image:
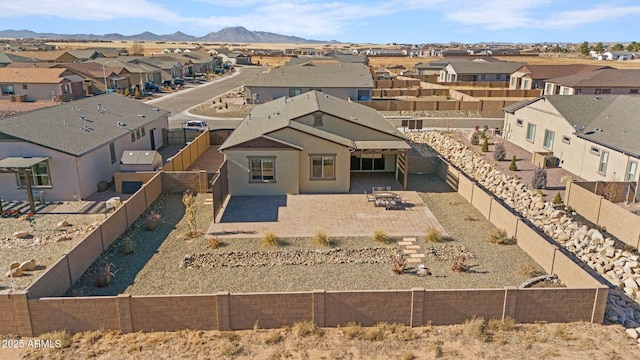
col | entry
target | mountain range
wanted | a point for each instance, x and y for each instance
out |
(228, 34)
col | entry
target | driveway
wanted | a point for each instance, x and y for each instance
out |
(340, 215)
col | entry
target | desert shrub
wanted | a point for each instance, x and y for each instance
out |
(460, 265)
(128, 246)
(399, 264)
(189, 202)
(103, 278)
(474, 139)
(351, 330)
(153, 220)
(273, 337)
(475, 328)
(433, 235)
(227, 347)
(62, 337)
(557, 200)
(397, 331)
(499, 236)
(270, 239)
(539, 180)
(512, 165)
(499, 152)
(214, 242)
(509, 324)
(485, 145)
(305, 328)
(381, 237)
(372, 334)
(529, 270)
(321, 239)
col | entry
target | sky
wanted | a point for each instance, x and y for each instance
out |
(358, 21)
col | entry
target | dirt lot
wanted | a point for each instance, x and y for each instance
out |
(8, 108)
(230, 105)
(474, 340)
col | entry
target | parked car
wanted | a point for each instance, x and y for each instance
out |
(218, 71)
(196, 125)
(227, 65)
(149, 86)
(174, 82)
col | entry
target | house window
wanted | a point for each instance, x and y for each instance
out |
(598, 91)
(525, 84)
(577, 91)
(531, 132)
(133, 136)
(137, 133)
(499, 77)
(294, 92)
(566, 140)
(142, 132)
(547, 89)
(595, 150)
(513, 81)
(602, 167)
(519, 122)
(565, 91)
(368, 162)
(548, 139)
(323, 166)
(7, 89)
(633, 91)
(112, 151)
(26, 87)
(631, 171)
(262, 169)
(65, 89)
(606, 91)
(482, 77)
(40, 176)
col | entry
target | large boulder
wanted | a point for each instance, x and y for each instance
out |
(16, 272)
(28, 265)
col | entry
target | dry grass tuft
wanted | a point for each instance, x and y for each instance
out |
(228, 347)
(305, 328)
(470, 218)
(475, 328)
(433, 236)
(351, 330)
(500, 236)
(321, 239)
(62, 337)
(214, 243)
(273, 337)
(408, 356)
(127, 245)
(380, 236)
(270, 240)
(509, 324)
(529, 270)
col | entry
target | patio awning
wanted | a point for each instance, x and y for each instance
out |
(19, 164)
(382, 145)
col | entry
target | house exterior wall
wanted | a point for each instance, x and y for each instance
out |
(37, 92)
(316, 146)
(264, 94)
(62, 171)
(286, 172)
(576, 156)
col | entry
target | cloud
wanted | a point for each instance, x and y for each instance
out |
(88, 10)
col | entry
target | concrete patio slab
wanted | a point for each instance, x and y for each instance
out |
(340, 215)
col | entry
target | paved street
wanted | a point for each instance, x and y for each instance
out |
(178, 103)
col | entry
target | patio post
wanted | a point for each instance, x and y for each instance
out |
(406, 169)
(32, 207)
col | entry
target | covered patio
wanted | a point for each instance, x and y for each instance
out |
(24, 168)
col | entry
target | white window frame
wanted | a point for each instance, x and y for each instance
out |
(531, 133)
(36, 177)
(549, 136)
(263, 178)
(602, 164)
(327, 172)
(632, 169)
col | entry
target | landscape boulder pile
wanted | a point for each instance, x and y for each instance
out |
(17, 269)
(620, 267)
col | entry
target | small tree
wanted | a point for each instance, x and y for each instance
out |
(513, 166)
(617, 47)
(499, 152)
(599, 48)
(485, 145)
(539, 180)
(584, 48)
(557, 200)
(189, 202)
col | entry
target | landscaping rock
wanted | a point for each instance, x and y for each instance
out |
(21, 234)
(633, 333)
(14, 265)
(28, 265)
(63, 223)
(16, 272)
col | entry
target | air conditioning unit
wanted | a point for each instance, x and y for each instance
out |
(551, 161)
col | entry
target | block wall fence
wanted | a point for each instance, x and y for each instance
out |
(36, 310)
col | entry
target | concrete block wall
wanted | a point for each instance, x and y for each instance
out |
(113, 226)
(444, 307)
(269, 310)
(135, 206)
(554, 305)
(74, 314)
(180, 181)
(53, 282)
(83, 254)
(171, 313)
(367, 307)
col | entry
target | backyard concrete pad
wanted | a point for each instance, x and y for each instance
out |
(339, 215)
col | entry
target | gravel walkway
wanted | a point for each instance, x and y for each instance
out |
(157, 267)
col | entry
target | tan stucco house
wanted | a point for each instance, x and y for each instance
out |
(593, 137)
(69, 148)
(530, 77)
(605, 81)
(311, 143)
(343, 80)
(40, 84)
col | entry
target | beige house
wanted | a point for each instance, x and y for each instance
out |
(593, 137)
(311, 143)
(40, 84)
(66, 150)
(343, 80)
(473, 71)
(530, 77)
(604, 81)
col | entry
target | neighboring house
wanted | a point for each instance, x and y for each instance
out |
(618, 55)
(4, 59)
(530, 77)
(342, 80)
(84, 55)
(76, 145)
(593, 137)
(239, 58)
(604, 81)
(452, 52)
(478, 71)
(55, 56)
(310, 144)
(169, 67)
(41, 84)
(94, 76)
(139, 72)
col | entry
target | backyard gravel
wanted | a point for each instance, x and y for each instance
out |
(158, 267)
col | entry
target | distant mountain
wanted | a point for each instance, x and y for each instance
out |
(231, 34)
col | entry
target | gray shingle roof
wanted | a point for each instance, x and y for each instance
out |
(616, 115)
(316, 75)
(280, 113)
(61, 127)
(601, 78)
(485, 68)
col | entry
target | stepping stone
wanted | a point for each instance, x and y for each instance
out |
(413, 247)
(414, 260)
(408, 239)
(412, 252)
(405, 243)
(416, 255)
